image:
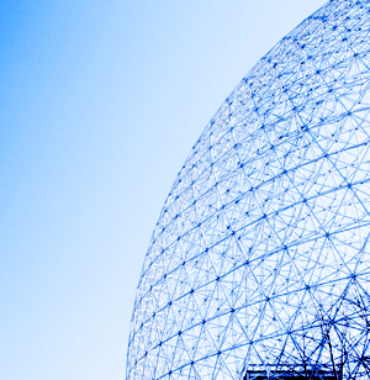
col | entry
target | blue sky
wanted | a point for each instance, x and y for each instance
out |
(100, 103)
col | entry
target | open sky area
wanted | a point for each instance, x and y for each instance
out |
(100, 103)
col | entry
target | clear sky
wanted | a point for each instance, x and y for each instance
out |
(100, 103)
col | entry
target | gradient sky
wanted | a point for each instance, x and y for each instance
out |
(100, 103)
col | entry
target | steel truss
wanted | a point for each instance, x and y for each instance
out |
(259, 265)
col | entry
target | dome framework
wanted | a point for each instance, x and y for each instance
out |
(259, 265)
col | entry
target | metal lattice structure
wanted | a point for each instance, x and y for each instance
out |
(259, 265)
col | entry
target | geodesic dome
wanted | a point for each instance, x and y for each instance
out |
(259, 265)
